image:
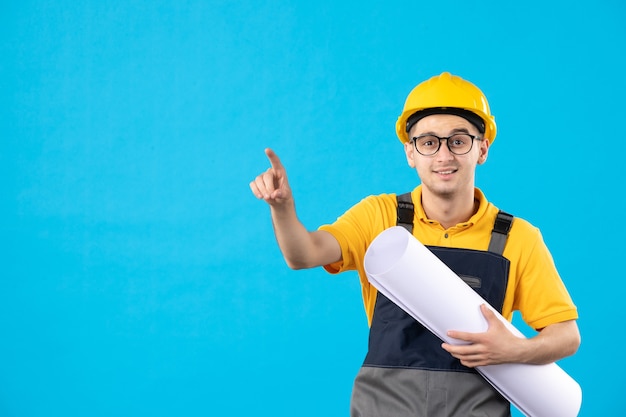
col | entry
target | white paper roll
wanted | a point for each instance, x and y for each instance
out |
(410, 275)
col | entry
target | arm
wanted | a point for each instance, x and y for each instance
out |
(498, 345)
(300, 248)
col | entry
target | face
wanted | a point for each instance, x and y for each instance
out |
(445, 174)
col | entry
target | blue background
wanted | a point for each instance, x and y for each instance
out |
(138, 274)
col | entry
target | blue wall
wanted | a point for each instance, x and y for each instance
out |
(139, 276)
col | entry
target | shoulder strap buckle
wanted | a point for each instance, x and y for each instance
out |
(500, 232)
(405, 211)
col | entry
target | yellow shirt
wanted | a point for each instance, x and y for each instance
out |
(534, 286)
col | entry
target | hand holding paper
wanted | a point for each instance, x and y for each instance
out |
(495, 346)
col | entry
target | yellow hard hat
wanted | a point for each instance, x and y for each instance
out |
(448, 94)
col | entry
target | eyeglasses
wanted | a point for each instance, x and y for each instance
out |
(458, 144)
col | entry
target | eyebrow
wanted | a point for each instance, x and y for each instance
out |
(452, 132)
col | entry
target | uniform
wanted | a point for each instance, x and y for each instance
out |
(406, 372)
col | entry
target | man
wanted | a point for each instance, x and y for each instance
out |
(446, 128)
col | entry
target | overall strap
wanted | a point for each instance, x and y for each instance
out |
(405, 211)
(500, 232)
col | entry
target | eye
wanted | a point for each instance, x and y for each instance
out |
(459, 141)
(427, 141)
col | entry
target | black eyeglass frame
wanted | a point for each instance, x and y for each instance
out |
(473, 138)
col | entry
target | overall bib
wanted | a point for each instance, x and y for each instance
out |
(406, 371)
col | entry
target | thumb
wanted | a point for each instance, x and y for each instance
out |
(488, 313)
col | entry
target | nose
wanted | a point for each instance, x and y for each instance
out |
(444, 153)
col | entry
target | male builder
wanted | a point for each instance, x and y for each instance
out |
(446, 128)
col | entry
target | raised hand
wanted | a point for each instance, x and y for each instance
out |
(272, 185)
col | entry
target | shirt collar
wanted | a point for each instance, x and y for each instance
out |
(483, 204)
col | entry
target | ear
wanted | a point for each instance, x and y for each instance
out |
(483, 151)
(409, 149)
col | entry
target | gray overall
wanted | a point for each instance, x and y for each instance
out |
(406, 372)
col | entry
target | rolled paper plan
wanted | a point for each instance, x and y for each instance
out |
(411, 276)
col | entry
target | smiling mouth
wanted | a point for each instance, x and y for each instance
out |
(450, 171)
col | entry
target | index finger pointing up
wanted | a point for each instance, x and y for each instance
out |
(274, 160)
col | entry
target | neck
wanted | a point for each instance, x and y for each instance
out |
(449, 210)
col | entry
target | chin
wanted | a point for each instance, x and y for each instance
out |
(442, 192)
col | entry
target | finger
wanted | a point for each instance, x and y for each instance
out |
(255, 190)
(472, 363)
(259, 187)
(486, 311)
(467, 337)
(466, 352)
(449, 348)
(489, 315)
(274, 159)
(270, 181)
(458, 349)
